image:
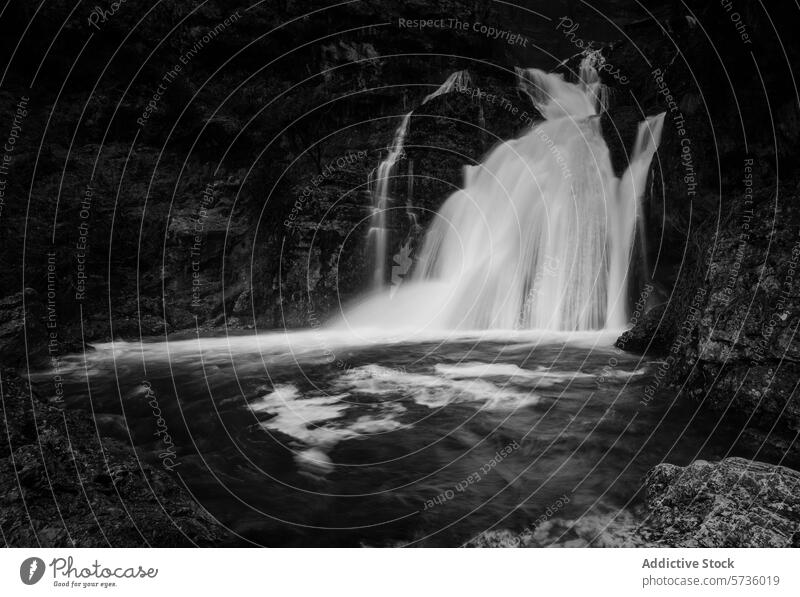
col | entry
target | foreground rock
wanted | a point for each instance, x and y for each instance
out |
(62, 486)
(610, 529)
(13, 323)
(733, 503)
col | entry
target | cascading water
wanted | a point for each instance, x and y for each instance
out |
(541, 236)
(380, 180)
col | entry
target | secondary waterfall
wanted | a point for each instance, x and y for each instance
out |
(380, 180)
(541, 236)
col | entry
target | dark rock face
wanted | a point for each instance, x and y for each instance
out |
(648, 335)
(19, 312)
(732, 503)
(729, 333)
(63, 486)
(744, 351)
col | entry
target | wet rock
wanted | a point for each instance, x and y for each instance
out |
(64, 487)
(610, 529)
(21, 325)
(733, 503)
(730, 327)
(649, 336)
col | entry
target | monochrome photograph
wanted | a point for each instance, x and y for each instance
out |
(424, 274)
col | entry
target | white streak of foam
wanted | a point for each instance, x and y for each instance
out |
(467, 370)
(293, 415)
(433, 391)
(318, 423)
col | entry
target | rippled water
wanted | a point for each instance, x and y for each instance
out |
(318, 439)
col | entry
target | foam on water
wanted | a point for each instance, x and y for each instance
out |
(258, 352)
(294, 414)
(434, 391)
(472, 370)
(318, 422)
(369, 400)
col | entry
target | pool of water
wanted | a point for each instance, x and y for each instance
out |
(317, 439)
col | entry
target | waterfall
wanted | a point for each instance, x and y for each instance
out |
(380, 180)
(541, 235)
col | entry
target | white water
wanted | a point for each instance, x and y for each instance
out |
(380, 180)
(541, 236)
(253, 352)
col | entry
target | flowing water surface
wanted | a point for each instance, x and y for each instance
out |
(316, 438)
